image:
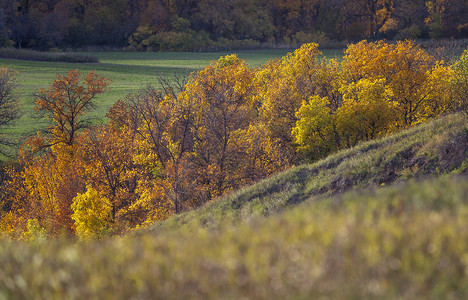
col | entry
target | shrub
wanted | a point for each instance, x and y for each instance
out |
(460, 82)
(412, 32)
(318, 37)
(180, 41)
(24, 54)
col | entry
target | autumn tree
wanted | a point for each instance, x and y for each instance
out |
(367, 112)
(221, 97)
(66, 102)
(9, 110)
(121, 162)
(163, 125)
(106, 158)
(460, 82)
(48, 181)
(92, 214)
(285, 84)
(407, 70)
(315, 128)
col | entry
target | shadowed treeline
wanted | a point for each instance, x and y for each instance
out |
(182, 25)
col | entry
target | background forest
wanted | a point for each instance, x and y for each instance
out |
(187, 25)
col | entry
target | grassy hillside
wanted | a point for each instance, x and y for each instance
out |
(435, 148)
(402, 242)
(348, 227)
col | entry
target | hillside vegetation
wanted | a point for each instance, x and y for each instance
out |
(432, 149)
(350, 226)
(170, 150)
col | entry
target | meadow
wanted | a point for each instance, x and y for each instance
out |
(128, 71)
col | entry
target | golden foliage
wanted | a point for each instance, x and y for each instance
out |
(408, 71)
(167, 151)
(91, 213)
(460, 82)
(383, 88)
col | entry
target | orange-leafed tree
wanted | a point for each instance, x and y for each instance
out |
(51, 178)
(232, 146)
(221, 95)
(413, 76)
(107, 155)
(158, 127)
(66, 102)
(163, 127)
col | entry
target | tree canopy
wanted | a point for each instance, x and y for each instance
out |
(181, 25)
(226, 126)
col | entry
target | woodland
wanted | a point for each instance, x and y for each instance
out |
(170, 150)
(187, 25)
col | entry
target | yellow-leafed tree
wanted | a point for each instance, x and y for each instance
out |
(92, 214)
(409, 72)
(284, 85)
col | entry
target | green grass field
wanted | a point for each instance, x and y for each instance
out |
(129, 71)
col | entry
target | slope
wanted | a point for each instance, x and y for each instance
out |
(434, 148)
(342, 236)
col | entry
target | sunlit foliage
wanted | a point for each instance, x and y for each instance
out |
(169, 150)
(383, 88)
(91, 213)
(460, 81)
(407, 70)
(285, 84)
